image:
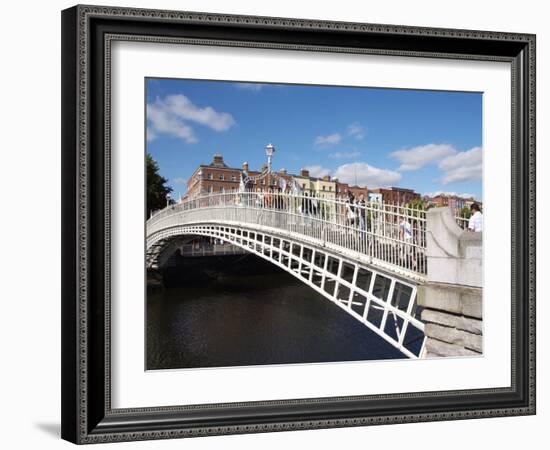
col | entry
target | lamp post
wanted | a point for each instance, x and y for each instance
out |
(269, 151)
(199, 174)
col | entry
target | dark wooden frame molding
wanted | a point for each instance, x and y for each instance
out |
(87, 32)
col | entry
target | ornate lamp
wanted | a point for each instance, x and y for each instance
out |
(269, 150)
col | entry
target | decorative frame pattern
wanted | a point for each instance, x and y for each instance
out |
(88, 32)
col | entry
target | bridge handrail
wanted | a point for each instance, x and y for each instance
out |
(462, 222)
(254, 198)
(393, 234)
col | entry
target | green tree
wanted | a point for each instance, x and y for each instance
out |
(416, 205)
(465, 212)
(156, 186)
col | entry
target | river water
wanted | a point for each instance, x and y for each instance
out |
(240, 311)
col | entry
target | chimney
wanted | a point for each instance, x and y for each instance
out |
(245, 166)
(304, 173)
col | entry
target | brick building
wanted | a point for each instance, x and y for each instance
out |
(216, 177)
(454, 202)
(341, 189)
(396, 195)
(358, 190)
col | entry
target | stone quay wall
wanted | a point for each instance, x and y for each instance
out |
(452, 298)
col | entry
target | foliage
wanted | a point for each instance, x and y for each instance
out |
(416, 203)
(465, 212)
(156, 186)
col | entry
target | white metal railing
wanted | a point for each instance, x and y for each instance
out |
(211, 250)
(392, 234)
(462, 222)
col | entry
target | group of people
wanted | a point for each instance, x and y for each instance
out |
(272, 198)
(357, 216)
(279, 198)
(355, 210)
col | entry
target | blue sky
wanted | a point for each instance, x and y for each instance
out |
(429, 141)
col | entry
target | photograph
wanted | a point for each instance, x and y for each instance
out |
(273, 220)
(300, 224)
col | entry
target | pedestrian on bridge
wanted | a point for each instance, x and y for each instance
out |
(407, 248)
(476, 220)
(361, 207)
(306, 204)
(351, 209)
(268, 199)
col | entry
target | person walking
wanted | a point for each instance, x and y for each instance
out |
(306, 204)
(476, 220)
(351, 209)
(407, 241)
(268, 198)
(362, 211)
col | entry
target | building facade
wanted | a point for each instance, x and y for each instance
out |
(454, 202)
(357, 191)
(396, 195)
(375, 197)
(324, 187)
(214, 178)
(217, 178)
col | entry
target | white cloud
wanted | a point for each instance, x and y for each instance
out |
(331, 139)
(344, 155)
(151, 135)
(356, 130)
(418, 157)
(171, 115)
(180, 181)
(163, 122)
(463, 166)
(365, 174)
(253, 87)
(317, 171)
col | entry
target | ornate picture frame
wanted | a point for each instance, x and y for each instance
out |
(88, 33)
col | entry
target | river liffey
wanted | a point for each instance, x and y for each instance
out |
(240, 311)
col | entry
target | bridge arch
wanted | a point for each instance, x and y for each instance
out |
(379, 299)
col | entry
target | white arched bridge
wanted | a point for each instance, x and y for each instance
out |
(366, 258)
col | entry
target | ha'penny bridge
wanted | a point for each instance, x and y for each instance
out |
(370, 260)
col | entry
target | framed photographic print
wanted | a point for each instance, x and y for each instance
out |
(279, 224)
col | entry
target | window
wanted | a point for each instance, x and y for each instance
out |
(210, 189)
(222, 177)
(263, 182)
(233, 178)
(324, 188)
(330, 188)
(222, 190)
(209, 176)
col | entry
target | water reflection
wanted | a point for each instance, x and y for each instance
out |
(212, 315)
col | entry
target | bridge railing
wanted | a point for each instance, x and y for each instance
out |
(394, 235)
(462, 222)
